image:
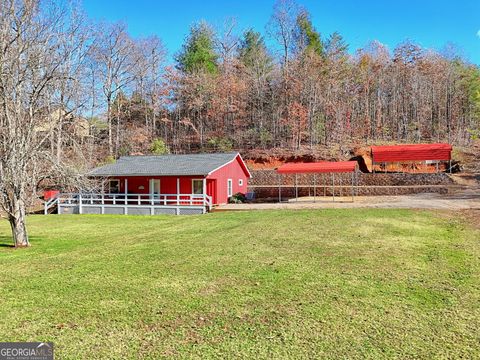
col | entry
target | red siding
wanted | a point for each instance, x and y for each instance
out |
(235, 171)
(216, 182)
(168, 184)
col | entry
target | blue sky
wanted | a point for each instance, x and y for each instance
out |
(430, 23)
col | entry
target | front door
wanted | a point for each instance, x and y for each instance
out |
(154, 188)
(212, 189)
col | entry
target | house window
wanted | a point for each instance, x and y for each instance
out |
(197, 186)
(113, 186)
(229, 187)
(240, 182)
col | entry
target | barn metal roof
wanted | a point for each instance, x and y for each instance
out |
(412, 152)
(318, 167)
(166, 165)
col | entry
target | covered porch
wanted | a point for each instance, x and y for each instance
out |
(137, 195)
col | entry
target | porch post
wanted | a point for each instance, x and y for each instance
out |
(126, 191)
(178, 191)
(314, 186)
(150, 190)
(204, 186)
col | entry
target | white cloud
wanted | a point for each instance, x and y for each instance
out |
(478, 33)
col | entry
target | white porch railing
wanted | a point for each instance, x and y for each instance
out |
(124, 200)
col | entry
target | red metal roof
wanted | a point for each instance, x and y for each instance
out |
(413, 152)
(318, 167)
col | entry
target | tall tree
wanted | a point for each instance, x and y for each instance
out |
(32, 59)
(198, 52)
(226, 43)
(147, 78)
(282, 26)
(307, 38)
(115, 59)
(258, 66)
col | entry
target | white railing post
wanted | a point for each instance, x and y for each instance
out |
(79, 203)
(178, 202)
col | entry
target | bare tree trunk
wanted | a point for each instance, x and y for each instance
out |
(59, 141)
(109, 122)
(17, 223)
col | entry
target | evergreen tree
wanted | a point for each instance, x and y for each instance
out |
(198, 54)
(253, 51)
(307, 39)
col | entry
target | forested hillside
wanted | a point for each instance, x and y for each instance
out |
(227, 89)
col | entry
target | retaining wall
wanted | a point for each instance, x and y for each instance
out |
(265, 184)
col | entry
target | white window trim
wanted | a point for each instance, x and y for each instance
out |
(229, 187)
(110, 186)
(193, 180)
(240, 182)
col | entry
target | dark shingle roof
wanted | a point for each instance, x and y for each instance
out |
(165, 165)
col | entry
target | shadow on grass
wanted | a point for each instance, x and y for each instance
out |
(7, 241)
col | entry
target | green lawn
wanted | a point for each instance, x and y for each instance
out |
(273, 284)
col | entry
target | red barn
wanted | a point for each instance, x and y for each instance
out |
(179, 184)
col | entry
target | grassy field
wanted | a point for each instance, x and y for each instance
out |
(272, 284)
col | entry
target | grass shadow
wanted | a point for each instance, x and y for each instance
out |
(7, 241)
(6, 245)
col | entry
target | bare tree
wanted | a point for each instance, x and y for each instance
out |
(147, 77)
(115, 59)
(32, 65)
(282, 26)
(226, 42)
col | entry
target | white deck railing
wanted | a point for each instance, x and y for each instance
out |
(122, 200)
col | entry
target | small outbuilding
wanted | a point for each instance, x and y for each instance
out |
(314, 168)
(175, 184)
(430, 153)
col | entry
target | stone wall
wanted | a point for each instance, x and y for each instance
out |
(265, 184)
(270, 177)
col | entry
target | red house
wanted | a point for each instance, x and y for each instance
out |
(180, 184)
